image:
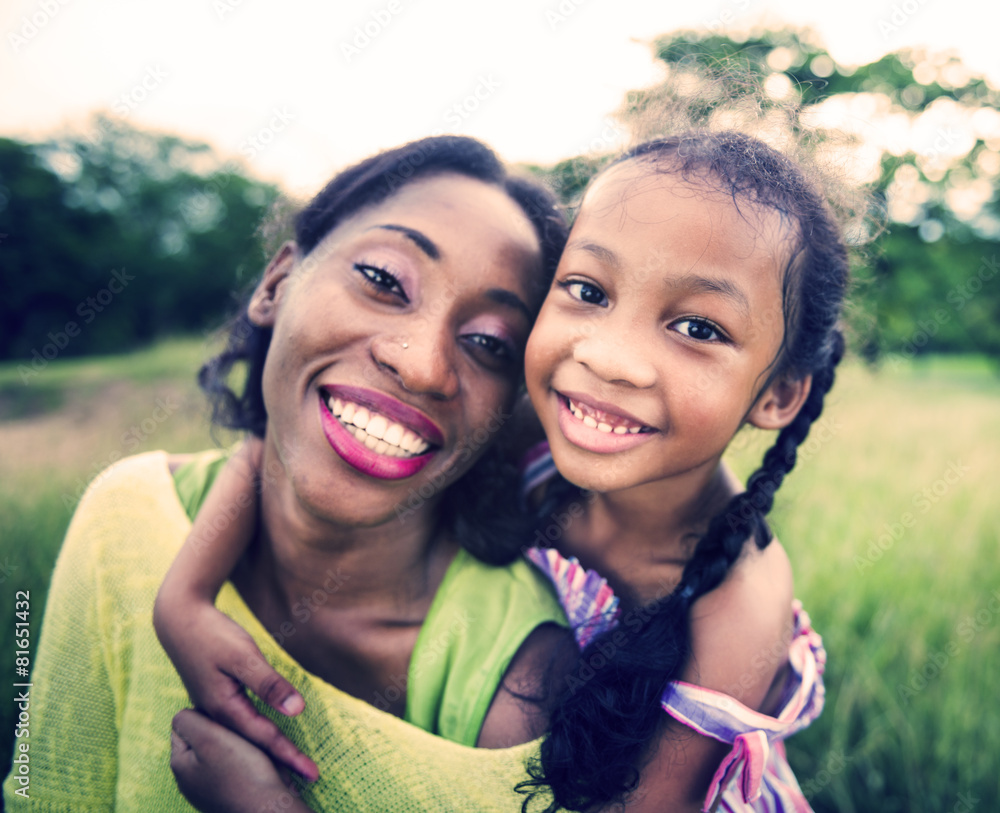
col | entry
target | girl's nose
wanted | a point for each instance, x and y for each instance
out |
(616, 356)
(423, 361)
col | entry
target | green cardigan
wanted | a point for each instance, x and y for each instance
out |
(104, 692)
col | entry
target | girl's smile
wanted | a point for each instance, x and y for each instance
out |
(599, 429)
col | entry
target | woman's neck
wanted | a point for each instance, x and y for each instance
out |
(388, 565)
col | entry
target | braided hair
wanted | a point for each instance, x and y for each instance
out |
(607, 717)
(481, 506)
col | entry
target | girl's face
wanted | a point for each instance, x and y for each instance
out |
(397, 346)
(659, 330)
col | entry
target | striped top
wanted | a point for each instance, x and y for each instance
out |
(754, 775)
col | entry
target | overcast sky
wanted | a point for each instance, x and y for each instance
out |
(298, 89)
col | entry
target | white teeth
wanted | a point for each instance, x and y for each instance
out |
(377, 426)
(376, 431)
(394, 434)
(601, 426)
(406, 442)
(361, 418)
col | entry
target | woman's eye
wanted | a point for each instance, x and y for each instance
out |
(586, 292)
(699, 329)
(497, 349)
(381, 278)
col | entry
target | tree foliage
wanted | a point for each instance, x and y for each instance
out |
(113, 238)
(926, 134)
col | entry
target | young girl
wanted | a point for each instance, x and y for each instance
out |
(700, 292)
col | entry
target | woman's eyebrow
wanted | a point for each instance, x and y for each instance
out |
(422, 241)
(508, 298)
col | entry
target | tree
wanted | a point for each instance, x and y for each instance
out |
(926, 136)
(119, 236)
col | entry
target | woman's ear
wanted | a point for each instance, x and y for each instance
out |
(780, 403)
(264, 302)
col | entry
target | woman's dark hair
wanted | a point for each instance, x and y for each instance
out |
(606, 720)
(482, 505)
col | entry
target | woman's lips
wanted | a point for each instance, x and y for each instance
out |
(595, 427)
(367, 434)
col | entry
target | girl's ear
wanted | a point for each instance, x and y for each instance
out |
(780, 403)
(264, 302)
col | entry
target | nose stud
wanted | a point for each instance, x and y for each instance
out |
(405, 345)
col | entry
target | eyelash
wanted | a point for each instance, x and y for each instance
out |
(567, 285)
(381, 280)
(720, 335)
(502, 351)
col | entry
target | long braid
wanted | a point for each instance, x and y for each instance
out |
(602, 728)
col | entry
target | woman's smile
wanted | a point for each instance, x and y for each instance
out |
(401, 339)
(377, 434)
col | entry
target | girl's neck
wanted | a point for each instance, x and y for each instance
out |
(640, 538)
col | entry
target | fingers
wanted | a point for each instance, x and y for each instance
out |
(239, 714)
(272, 688)
(185, 729)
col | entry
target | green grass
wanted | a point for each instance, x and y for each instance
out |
(912, 638)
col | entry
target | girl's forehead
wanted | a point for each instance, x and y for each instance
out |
(642, 205)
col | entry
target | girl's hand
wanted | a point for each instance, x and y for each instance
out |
(216, 658)
(220, 772)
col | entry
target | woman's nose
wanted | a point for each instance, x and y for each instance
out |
(423, 360)
(618, 356)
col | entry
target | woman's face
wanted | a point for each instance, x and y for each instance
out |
(397, 346)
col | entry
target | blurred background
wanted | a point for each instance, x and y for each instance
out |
(141, 146)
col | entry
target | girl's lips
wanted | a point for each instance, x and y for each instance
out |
(592, 439)
(365, 460)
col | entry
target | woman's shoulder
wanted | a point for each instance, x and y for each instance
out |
(741, 631)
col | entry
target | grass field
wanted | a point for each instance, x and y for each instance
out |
(889, 521)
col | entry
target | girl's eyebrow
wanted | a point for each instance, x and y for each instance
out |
(422, 241)
(697, 284)
(605, 255)
(692, 282)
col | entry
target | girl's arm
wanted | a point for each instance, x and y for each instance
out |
(214, 656)
(740, 633)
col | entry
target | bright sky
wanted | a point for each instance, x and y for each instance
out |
(299, 89)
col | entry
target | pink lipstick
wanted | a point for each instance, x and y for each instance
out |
(376, 434)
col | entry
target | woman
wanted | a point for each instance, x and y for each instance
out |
(411, 288)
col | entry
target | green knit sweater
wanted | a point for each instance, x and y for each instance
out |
(104, 692)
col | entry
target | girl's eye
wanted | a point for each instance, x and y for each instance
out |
(586, 292)
(381, 279)
(699, 329)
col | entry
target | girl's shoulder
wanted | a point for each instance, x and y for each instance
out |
(741, 630)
